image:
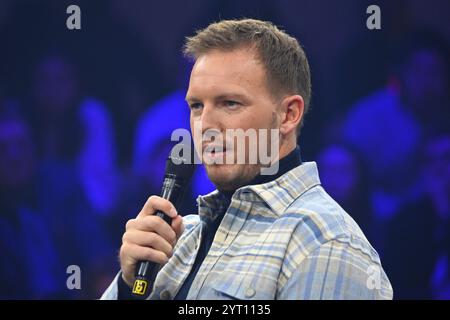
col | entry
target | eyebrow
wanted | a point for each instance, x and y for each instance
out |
(219, 97)
(191, 99)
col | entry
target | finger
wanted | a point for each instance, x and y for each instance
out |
(178, 226)
(138, 253)
(148, 239)
(155, 203)
(153, 224)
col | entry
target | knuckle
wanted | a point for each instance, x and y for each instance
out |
(149, 254)
(124, 238)
(129, 224)
(127, 237)
(166, 205)
(156, 222)
(148, 223)
(153, 199)
(169, 206)
(123, 251)
(151, 239)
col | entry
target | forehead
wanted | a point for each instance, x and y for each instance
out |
(239, 67)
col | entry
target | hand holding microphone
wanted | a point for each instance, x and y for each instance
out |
(148, 237)
(148, 241)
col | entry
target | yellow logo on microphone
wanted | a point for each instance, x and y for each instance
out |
(140, 287)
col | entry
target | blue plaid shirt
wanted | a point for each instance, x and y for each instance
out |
(285, 239)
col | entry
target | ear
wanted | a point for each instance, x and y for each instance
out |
(293, 107)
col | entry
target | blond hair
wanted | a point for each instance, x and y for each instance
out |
(282, 56)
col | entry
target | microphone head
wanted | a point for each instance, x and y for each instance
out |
(180, 162)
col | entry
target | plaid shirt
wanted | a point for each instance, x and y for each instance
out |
(285, 239)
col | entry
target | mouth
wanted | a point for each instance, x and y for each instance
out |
(213, 153)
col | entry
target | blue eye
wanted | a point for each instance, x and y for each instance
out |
(231, 103)
(195, 106)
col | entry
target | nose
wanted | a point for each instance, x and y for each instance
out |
(210, 119)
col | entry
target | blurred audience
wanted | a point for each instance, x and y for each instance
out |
(418, 243)
(74, 130)
(58, 179)
(31, 266)
(388, 126)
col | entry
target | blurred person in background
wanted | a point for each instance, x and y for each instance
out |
(418, 244)
(75, 130)
(388, 126)
(76, 153)
(46, 225)
(31, 267)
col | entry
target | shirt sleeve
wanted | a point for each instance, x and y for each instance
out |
(336, 270)
(112, 292)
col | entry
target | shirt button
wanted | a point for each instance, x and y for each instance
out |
(165, 295)
(250, 292)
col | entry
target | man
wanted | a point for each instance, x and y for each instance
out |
(257, 236)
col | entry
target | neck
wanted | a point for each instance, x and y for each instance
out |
(286, 163)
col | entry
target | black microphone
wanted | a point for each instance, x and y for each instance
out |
(179, 170)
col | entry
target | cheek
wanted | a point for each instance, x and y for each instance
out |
(197, 144)
(196, 133)
(253, 118)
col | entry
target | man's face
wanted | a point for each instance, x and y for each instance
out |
(228, 90)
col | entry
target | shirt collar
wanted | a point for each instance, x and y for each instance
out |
(280, 193)
(277, 191)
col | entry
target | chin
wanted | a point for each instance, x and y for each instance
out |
(229, 177)
(223, 176)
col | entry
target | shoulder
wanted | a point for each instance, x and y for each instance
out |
(319, 219)
(325, 244)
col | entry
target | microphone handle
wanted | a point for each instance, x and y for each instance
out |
(147, 271)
